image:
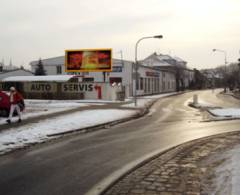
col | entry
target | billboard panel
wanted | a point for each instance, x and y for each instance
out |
(88, 60)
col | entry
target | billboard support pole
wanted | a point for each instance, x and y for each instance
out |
(104, 77)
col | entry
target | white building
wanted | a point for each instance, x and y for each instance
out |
(16, 72)
(184, 75)
(150, 80)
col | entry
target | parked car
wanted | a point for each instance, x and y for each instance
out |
(5, 105)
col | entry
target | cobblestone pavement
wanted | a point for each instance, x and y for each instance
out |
(182, 170)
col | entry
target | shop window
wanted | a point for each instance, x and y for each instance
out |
(149, 84)
(157, 85)
(88, 79)
(163, 85)
(115, 80)
(141, 83)
(145, 84)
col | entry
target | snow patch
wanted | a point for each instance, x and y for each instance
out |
(40, 131)
(226, 112)
(226, 175)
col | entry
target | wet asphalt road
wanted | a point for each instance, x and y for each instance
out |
(74, 164)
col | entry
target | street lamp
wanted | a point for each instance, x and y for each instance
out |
(136, 63)
(225, 62)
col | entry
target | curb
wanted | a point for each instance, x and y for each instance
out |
(103, 190)
(101, 126)
(105, 184)
(110, 181)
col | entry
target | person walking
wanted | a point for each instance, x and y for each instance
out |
(16, 100)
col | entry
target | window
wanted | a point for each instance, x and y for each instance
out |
(149, 84)
(141, 83)
(145, 84)
(115, 80)
(59, 69)
(87, 79)
(157, 85)
(137, 83)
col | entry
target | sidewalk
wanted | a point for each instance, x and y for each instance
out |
(204, 166)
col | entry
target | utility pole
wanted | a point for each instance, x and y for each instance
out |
(136, 64)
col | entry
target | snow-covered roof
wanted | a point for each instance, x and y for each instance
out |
(154, 60)
(50, 61)
(61, 60)
(178, 59)
(151, 62)
(162, 60)
(164, 57)
(56, 78)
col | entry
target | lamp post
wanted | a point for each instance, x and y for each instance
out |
(225, 62)
(136, 63)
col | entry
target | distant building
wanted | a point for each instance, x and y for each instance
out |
(4, 68)
(17, 72)
(184, 75)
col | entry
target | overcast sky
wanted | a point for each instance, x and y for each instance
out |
(191, 28)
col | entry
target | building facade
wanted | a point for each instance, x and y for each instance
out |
(150, 80)
(183, 75)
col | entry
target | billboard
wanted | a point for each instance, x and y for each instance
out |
(88, 60)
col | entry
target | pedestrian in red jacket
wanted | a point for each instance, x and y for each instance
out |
(15, 100)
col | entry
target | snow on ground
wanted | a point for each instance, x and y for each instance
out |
(36, 108)
(40, 131)
(219, 113)
(226, 112)
(226, 174)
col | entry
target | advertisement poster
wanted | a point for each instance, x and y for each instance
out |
(88, 60)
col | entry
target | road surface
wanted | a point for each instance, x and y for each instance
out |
(74, 164)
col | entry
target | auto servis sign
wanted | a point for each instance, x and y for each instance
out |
(65, 87)
(40, 87)
(77, 87)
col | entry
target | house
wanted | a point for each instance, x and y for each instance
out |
(184, 76)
